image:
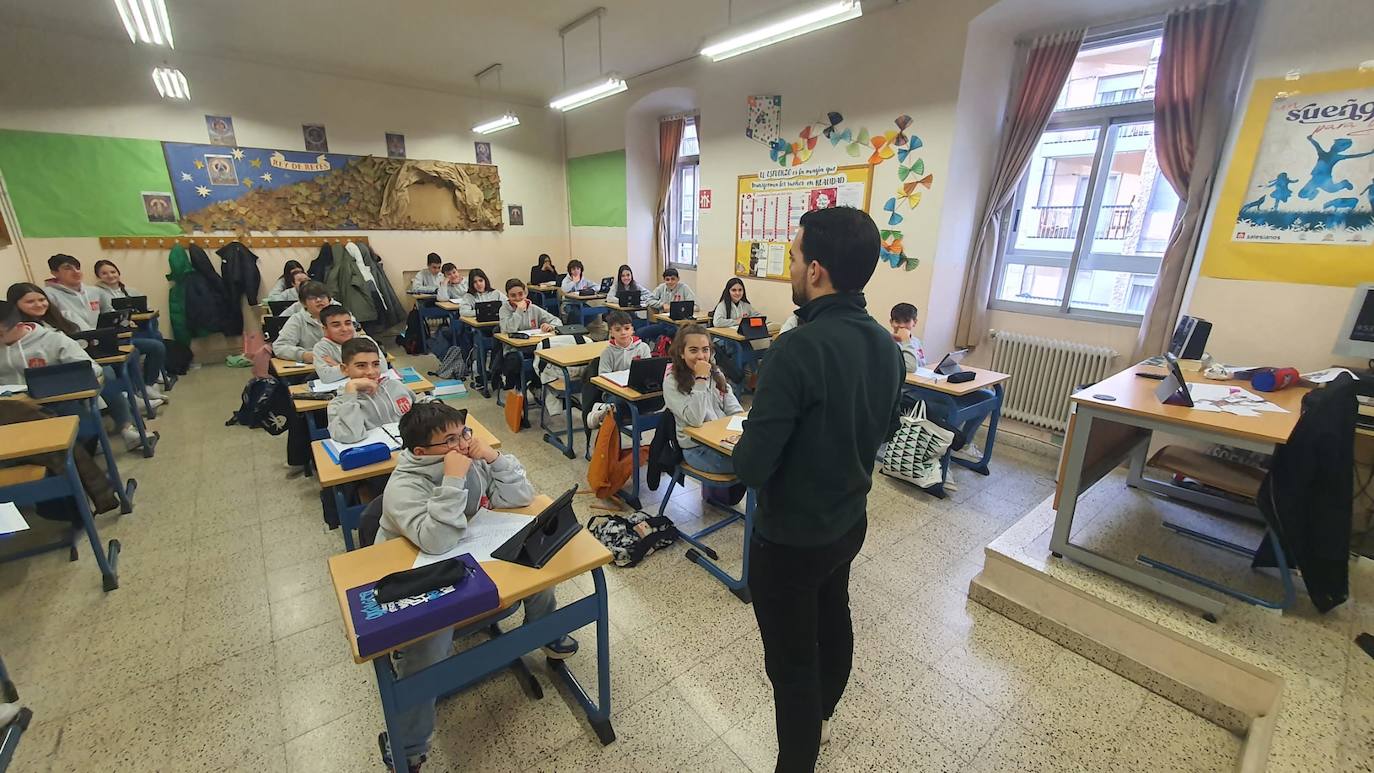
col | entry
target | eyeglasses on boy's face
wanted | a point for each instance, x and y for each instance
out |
(452, 440)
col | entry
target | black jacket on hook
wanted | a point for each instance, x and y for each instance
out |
(239, 269)
(319, 267)
(207, 303)
(1307, 496)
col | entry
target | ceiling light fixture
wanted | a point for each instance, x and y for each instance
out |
(171, 84)
(607, 85)
(776, 30)
(146, 21)
(505, 121)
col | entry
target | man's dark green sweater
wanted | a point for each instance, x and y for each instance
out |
(828, 397)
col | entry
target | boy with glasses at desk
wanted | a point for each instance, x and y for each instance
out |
(443, 477)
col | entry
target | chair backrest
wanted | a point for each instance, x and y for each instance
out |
(53, 380)
(370, 523)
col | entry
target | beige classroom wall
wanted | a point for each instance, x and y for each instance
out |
(102, 87)
(897, 59)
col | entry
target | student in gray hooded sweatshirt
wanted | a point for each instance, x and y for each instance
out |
(442, 477)
(520, 313)
(339, 329)
(368, 401)
(303, 330)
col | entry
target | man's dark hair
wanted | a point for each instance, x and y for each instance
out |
(576, 264)
(332, 310)
(358, 345)
(424, 419)
(433, 258)
(313, 289)
(447, 267)
(9, 315)
(512, 283)
(618, 318)
(667, 272)
(902, 312)
(59, 260)
(845, 242)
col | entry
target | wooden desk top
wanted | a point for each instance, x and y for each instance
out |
(422, 296)
(695, 319)
(544, 288)
(982, 379)
(472, 321)
(445, 305)
(733, 333)
(617, 307)
(117, 358)
(713, 432)
(513, 581)
(305, 406)
(143, 316)
(1136, 395)
(330, 473)
(84, 394)
(289, 368)
(29, 438)
(125, 334)
(582, 296)
(521, 343)
(572, 356)
(623, 391)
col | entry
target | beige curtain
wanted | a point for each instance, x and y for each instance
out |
(1047, 68)
(1200, 64)
(669, 140)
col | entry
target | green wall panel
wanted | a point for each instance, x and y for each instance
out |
(75, 185)
(596, 189)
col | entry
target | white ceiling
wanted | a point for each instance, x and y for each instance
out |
(438, 44)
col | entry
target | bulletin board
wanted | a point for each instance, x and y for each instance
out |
(1276, 221)
(769, 205)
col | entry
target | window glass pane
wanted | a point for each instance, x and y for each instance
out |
(1055, 191)
(1110, 73)
(1023, 283)
(689, 145)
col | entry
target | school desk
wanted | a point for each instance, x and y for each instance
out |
(580, 305)
(639, 422)
(546, 295)
(119, 363)
(944, 393)
(334, 478)
(291, 370)
(481, 341)
(310, 408)
(526, 348)
(143, 316)
(1104, 432)
(713, 434)
(85, 404)
(514, 582)
(29, 484)
(564, 358)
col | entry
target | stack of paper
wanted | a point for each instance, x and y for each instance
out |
(450, 387)
(737, 422)
(378, 435)
(486, 532)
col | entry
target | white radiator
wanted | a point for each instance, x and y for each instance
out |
(1044, 372)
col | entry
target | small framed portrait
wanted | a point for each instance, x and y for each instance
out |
(316, 141)
(516, 213)
(221, 130)
(483, 152)
(158, 207)
(395, 145)
(221, 169)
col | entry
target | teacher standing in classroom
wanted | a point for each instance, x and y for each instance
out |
(827, 397)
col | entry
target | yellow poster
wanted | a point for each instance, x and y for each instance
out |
(1297, 204)
(769, 206)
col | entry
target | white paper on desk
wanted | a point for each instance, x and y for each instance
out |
(1326, 375)
(394, 430)
(10, 519)
(1215, 392)
(1208, 407)
(318, 385)
(736, 422)
(13, 389)
(1267, 407)
(375, 435)
(534, 331)
(486, 532)
(927, 373)
(1239, 409)
(619, 377)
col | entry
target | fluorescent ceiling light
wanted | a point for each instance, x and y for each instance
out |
(171, 84)
(497, 124)
(611, 84)
(146, 21)
(737, 43)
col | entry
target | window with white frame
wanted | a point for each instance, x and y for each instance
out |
(682, 200)
(1093, 214)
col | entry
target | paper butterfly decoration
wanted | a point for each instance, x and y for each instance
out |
(779, 151)
(890, 207)
(913, 144)
(917, 167)
(835, 119)
(902, 122)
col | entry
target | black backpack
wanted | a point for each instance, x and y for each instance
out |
(266, 404)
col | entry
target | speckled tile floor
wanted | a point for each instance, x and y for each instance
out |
(223, 648)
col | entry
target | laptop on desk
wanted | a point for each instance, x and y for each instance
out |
(277, 307)
(271, 327)
(753, 327)
(488, 311)
(101, 342)
(136, 304)
(113, 319)
(646, 375)
(949, 364)
(606, 285)
(628, 299)
(681, 309)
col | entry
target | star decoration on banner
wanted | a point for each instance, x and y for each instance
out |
(203, 191)
(256, 163)
(267, 177)
(248, 182)
(237, 153)
(185, 177)
(199, 164)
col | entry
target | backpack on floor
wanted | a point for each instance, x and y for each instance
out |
(265, 404)
(454, 364)
(915, 451)
(632, 538)
(413, 339)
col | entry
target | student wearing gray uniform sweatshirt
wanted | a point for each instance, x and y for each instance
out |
(368, 401)
(454, 285)
(520, 313)
(443, 477)
(339, 329)
(696, 392)
(303, 330)
(427, 281)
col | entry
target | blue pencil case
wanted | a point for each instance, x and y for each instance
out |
(362, 456)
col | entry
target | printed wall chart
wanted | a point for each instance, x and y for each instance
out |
(770, 205)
